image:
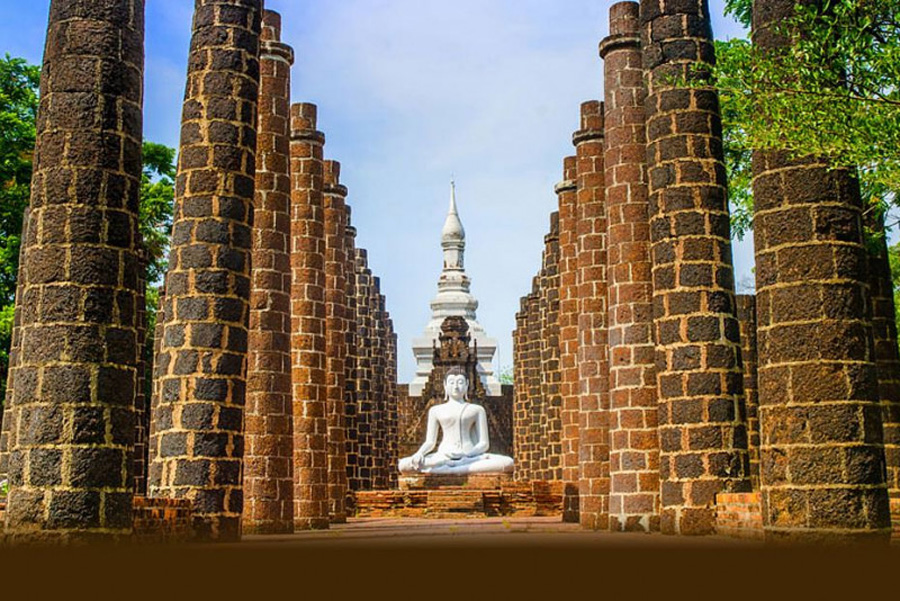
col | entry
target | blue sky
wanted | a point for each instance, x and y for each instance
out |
(410, 92)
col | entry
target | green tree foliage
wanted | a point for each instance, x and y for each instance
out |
(833, 93)
(18, 108)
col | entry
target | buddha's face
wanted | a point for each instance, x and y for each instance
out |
(456, 386)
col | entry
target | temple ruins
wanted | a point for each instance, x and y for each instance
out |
(647, 397)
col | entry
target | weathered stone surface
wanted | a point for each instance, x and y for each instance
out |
(746, 312)
(336, 326)
(821, 449)
(308, 321)
(268, 467)
(569, 306)
(633, 438)
(70, 419)
(703, 438)
(593, 347)
(197, 454)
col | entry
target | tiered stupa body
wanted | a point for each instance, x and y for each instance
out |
(454, 299)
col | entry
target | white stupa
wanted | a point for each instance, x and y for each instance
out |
(454, 298)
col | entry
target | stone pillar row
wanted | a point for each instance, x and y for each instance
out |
(673, 388)
(252, 343)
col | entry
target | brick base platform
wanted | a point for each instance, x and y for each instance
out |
(515, 499)
(474, 481)
(739, 515)
(162, 520)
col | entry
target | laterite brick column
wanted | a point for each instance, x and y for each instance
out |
(569, 386)
(746, 312)
(308, 321)
(533, 383)
(393, 399)
(821, 451)
(204, 348)
(364, 397)
(71, 421)
(551, 419)
(141, 400)
(336, 337)
(887, 354)
(159, 369)
(268, 469)
(593, 351)
(634, 438)
(351, 410)
(520, 420)
(703, 439)
(377, 419)
(13, 359)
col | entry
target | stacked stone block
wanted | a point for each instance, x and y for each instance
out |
(634, 444)
(703, 439)
(335, 341)
(268, 472)
(362, 478)
(567, 194)
(593, 350)
(202, 361)
(308, 373)
(141, 399)
(351, 408)
(378, 419)
(822, 454)
(887, 354)
(551, 418)
(71, 420)
(13, 358)
(746, 312)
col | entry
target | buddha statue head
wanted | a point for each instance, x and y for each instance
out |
(456, 385)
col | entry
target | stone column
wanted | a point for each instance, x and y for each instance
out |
(887, 354)
(71, 421)
(336, 334)
(363, 372)
(703, 438)
(377, 386)
(393, 399)
(746, 312)
(141, 400)
(351, 410)
(204, 346)
(14, 353)
(520, 414)
(308, 321)
(567, 192)
(268, 469)
(821, 451)
(533, 383)
(593, 351)
(634, 438)
(551, 424)
(154, 467)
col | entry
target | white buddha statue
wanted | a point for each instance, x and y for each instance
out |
(464, 441)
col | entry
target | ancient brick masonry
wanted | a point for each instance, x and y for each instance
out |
(703, 438)
(308, 321)
(359, 424)
(887, 354)
(746, 312)
(202, 360)
(550, 442)
(821, 452)
(268, 471)
(528, 404)
(566, 191)
(593, 351)
(71, 419)
(634, 445)
(336, 327)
